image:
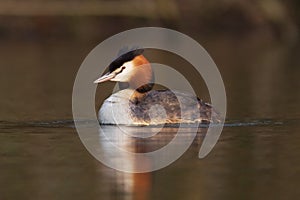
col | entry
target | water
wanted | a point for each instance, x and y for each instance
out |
(256, 157)
(48, 161)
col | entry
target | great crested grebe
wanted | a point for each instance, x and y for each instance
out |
(134, 105)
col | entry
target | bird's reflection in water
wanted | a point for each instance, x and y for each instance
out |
(140, 140)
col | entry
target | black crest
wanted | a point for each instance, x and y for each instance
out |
(124, 55)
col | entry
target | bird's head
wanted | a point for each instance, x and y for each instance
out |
(132, 68)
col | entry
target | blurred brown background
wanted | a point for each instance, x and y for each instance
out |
(45, 19)
(254, 43)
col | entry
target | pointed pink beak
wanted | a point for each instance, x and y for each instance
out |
(108, 76)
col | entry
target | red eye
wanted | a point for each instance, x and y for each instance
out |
(123, 67)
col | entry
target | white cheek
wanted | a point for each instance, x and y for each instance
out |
(126, 74)
(122, 77)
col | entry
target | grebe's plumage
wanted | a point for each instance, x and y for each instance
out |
(135, 104)
(121, 108)
(129, 56)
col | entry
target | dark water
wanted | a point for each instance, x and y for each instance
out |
(256, 157)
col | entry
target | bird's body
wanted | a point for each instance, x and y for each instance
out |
(139, 104)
